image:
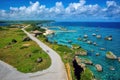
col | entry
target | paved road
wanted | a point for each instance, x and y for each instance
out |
(55, 72)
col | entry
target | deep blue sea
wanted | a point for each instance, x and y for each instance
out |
(100, 28)
(4, 24)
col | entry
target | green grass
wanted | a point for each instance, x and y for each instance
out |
(86, 75)
(33, 27)
(109, 53)
(19, 58)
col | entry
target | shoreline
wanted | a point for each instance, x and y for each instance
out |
(47, 31)
(98, 55)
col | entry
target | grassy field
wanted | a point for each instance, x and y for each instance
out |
(24, 59)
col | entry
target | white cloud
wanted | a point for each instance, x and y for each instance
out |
(73, 11)
(111, 3)
(3, 14)
(112, 10)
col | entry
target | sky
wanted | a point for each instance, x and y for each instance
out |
(60, 10)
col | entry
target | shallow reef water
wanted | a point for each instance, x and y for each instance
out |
(102, 46)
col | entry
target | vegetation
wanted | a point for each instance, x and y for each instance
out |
(109, 53)
(67, 55)
(33, 27)
(24, 59)
(27, 21)
(1, 28)
(87, 75)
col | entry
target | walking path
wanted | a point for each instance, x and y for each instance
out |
(55, 72)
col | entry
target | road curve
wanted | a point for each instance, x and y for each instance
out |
(55, 72)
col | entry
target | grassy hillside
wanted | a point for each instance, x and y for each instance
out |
(21, 57)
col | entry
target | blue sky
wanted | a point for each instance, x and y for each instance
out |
(60, 10)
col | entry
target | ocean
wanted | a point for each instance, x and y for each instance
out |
(77, 30)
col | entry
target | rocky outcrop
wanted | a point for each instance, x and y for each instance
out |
(74, 46)
(85, 36)
(119, 59)
(24, 46)
(39, 60)
(89, 62)
(98, 36)
(98, 67)
(97, 54)
(81, 52)
(89, 42)
(81, 69)
(26, 39)
(77, 67)
(83, 60)
(80, 62)
(110, 55)
(14, 41)
(109, 38)
(112, 68)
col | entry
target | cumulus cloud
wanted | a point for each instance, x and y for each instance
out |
(74, 11)
(112, 10)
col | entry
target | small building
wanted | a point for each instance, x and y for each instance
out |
(37, 33)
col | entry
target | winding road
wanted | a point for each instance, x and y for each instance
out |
(55, 72)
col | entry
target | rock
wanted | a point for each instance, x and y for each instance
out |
(112, 68)
(25, 46)
(28, 55)
(97, 54)
(79, 39)
(82, 53)
(74, 46)
(84, 40)
(82, 65)
(95, 44)
(82, 60)
(89, 42)
(8, 46)
(109, 38)
(98, 67)
(26, 39)
(98, 36)
(110, 55)
(79, 62)
(119, 59)
(39, 60)
(69, 41)
(88, 62)
(14, 41)
(9, 43)
(103, 49)
(85, 36)
(94, 34)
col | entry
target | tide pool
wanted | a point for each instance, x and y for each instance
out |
(103, 29)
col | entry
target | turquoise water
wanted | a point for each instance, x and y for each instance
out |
(80, 31)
